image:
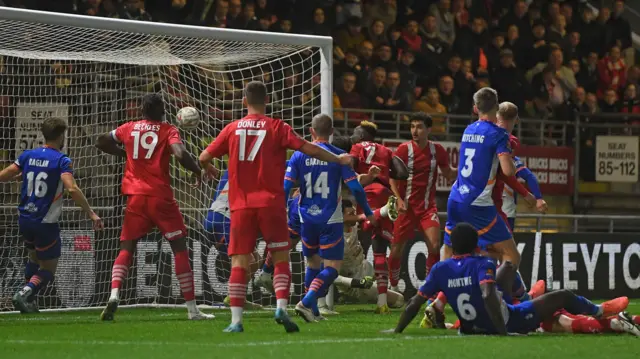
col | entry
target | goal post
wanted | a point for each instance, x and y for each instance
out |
(92, 72)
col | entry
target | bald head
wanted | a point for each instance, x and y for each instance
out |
(507, 115)
(322, 126)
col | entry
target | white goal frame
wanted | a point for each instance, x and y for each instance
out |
(323, 43)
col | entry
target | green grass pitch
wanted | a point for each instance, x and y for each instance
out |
(354, 334)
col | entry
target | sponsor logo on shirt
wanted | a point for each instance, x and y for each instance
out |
(172, 234)
(31, 208)
(463, 189)
(314, 210)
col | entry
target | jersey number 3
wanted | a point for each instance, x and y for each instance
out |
(261, 134)
(468, 162)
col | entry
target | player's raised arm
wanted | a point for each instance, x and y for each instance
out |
(109, 143)
(291, 140)
(503, 151)
(399, 170)
(218, 148)
(10, 172)
(428, 289)
(351, 179)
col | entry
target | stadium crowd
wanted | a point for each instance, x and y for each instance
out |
(548, 57)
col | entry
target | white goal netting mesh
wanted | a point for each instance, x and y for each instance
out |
(94, 79)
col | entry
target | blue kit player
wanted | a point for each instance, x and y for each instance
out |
(471, 284)
(484, 147)
(320, 208)
(46, 171)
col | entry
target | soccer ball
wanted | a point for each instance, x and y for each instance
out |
(188, 118)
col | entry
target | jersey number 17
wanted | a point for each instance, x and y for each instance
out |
(242, 150)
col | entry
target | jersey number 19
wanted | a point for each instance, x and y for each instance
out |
(143, 141)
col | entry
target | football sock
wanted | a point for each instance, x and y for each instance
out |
(432, 259)
(581, 305)
(237, 293)
(38, 281)
(586, 325)
(382, 279)
(636, 319)
(185, 278)
(30, 268)
(267, 267)
(309, 276)
(394, 270)
(440, 302)
(119, 272)
(319, 285)
(281, 283)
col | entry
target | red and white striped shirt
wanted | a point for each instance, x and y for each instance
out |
(419, 190)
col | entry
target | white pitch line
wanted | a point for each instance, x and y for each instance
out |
(223, 345)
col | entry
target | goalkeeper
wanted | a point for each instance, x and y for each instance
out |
(355, 282)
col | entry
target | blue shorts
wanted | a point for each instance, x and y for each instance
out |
(294, 229)
(512, 223)
(522, 318)
(491, 227)
(44, 238)
(324, 240)
(219, 227)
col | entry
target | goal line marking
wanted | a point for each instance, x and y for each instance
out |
(232, 344)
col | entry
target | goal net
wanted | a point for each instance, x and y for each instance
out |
(92, 72)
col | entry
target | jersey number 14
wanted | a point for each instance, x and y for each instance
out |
(321, 186)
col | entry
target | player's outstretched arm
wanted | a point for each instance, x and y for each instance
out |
(320, 153)
(506, 164)
(398, 169)
(492, 304)
(76, 194)
(367, 179)
(107, 144)
(184, 157)
(10, 173)
(410, 312)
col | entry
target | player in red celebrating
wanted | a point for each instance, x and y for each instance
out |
(417, 194)
(367, 153)
(257, 148)
(147, 145)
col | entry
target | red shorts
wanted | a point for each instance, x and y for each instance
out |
(248, 223)
(377, 196)
(406, 224)
(145, 212)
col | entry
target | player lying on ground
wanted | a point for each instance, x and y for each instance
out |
(471, 283)
(257, 148)
(417, 194)
(320, 209)
(355, 282)
(147, 145)
(367, 153)
(217, 225)
(45, 172)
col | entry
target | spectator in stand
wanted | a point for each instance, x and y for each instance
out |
(348, 8)
(350, 65)
(249, 20)
(470, 41)
(603, 41)
(395, 40)
(264, 9)
(411, 37)
(134, 10)
(284, 25)
(567, 11)
(460, 13)
(365, 50)
(463, 84)
(630, 102)
(430, 104)
(548, 86)
(562, 75)
(612, 72)
(384, 10)
(592, 103)
(235, 20)
(619, 27)
(493, 50)
(574, 48)
(588, 75)
(574, 65)
(89, 7)
(408, 75)
(539, 49)
(264, 22)
(589, 30)
(319, 25)
(578, 101)
(376, 33)
(351, 36)
(217, 17)
(558, 32)
(377, 93)
(447, 94)
(609, 103)
(346, 96)
(509, 81)
(633, 75)
(514, 43)
(446, 22)
(384, 58)
(399, 99)
(553, 11)
(433, 48)
(108, 8)
(517, 17)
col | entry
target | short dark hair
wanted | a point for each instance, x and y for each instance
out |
(346, 203)
(464, 238)
(256, 93)
(485, 100)
(508, 111)
(342, 142)
(422, 117)
(53, 128)
(322, 124)
(153, 107)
